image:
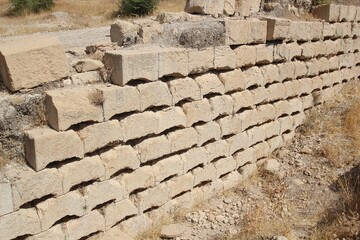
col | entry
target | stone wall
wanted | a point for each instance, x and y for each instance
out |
(175, 127)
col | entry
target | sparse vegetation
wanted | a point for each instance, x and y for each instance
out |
(96, 97)
(138, 7)
(20, 7)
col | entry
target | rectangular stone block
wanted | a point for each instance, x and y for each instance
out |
(139, 125)
(292, 88)
(209, 83)
(154, 94)
(225, 58)
(44, 146)
(173, 62)
(40, 60)
(264, 53)
(300, 69)
(231, 180)
(183, 139)
(20, 223)
(238, 142)
(233, 80)
(136, 225)
(180, 184)
(153, 148)
(207, 132)
(184, 89)
(54, 209)
(265, 113)
(261, 95)
(141, 178)
(286, 71)
(224, 166)
(201, 60)
(242, 158)
(221, 106)
(245, 56)
(167, 167)
(118, 159)
(245, 31)
(88, 224)
(254, 77)
(305, 31)
(85, 170)
(256, 135)
(118, 211)
(55, 233)
(123, 65)
(247, 8)
(270, 73)
(67, 107)
(99, 135)
(118, 100)
(169, 118)
(193, 158)
(277, 28)
(261, 150)
(276, 92)
(329, 13)
(217, 149)
(6, 200)
(152, 197)
(274, 143)
(198, 111)
(204, 174)
(230, 125)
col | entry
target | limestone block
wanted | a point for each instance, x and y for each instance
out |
(44, 146)
(345, 15)
(193, 158)
(139, 179)
(41, 60)
(329, 30)
(201, 60)
(313, 67)
(167, 167)
(245, 56)
(231, 180)
(276, 92)
(254, 77)
(210, 7)
(286, 70)
(180, 184)
(54, 209)
(224, 166)
(184, 89)
(217, 149)
(343, 29)
(153, 148)
(118, 100)
(152, 197)
(247, 8)
(139, 125)
(249, 118)
(245, 31)
(173, 62)
(87, 65)
(264, 53)
(154, 94)
(357, 18)
(150, 32)
(6, 200)
(28, 185)
(271, 129)
(208, 131)
(230, 125)
(329, 13)
(355, 29)
(308, 50)
(233, 80)
(211, 189)
(323, 64)
(85, 78)
(244, 157)
(277, 28)
(85, 170)
(20, 223)
(247, 171)
(287, 51)
(67, 107)
(123, 65)
(55, 233)
(88, 224)
(282, 108)
(204, 174)
(210, 83)
(270, 73)
(198, 111)
(124, 32)
(225, 58)
(118, 159)
(221, 106)
(299, 119)
(305, 31)
(183, 139)
(295, 105)
(256, 135)
(169, 118)
(288, 136)
(261, 95)
(300, 69)
(308, 102)
(305, 86)
(274, 143)
(238, 141)
(292, 88)
(316, 83)
(261, 150)
(102, 192)
(118, 211)
(265, 113)
(136, 225)
(100, 135)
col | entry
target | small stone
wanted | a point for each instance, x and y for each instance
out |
(297, 182)
(227, 200)
(220, 218)
(306, 150)
(279, 238)
(87, 65)
(172, 231)
(271, 166)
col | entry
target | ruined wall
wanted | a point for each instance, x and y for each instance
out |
(176, 127)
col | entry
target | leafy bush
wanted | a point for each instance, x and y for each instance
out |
(19, 7)
(137, 7)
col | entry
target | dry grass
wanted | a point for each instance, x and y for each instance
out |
(96, 97)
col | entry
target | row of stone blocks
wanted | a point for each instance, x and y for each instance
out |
(337, 13)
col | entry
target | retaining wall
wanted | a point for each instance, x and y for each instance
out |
(176, 127)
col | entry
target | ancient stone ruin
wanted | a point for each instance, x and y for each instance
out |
(171, 124)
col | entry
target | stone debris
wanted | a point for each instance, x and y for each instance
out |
(172, 231)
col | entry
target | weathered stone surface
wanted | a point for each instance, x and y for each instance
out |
(224, 166)
(209, 83)
(208, 131)
(225, 58)
(211, 7)
(119, 158)
(233, 80)
(193, 158)
(184, 89)
(123, 65)
(247, 8)
(67, 107)
(153, 148)
(41, 60)
(238, 142)
(183, 139)
(221, 105)
(6, 200)
(136, 225)
(115, 212)
(204, 174)
(139, 125)
(201, 60)
(180, 184)
(277, 28)
(198, 111)
(85, 78)
(152, 197)
(139, 179)
(305, 31)
(87, 65)
(22, 222)
(173, 62)
(85, 170)
(245, 56)
(264, 53)
(82, 227)
(55, 233)
(170, 117)
(230, 125)
(245, 31)
(329, 13)
(172, 230)
(118, 100)
(270, 73)
(217, 149)
(114, 233)
(244, 157)
(154, 94)
(167, 167)
(271, 166)
(242, 100)
(124, 32)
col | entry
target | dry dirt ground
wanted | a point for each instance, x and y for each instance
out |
(314, 195)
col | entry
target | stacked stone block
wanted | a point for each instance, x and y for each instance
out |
(168, 135)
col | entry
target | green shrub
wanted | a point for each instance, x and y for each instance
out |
(137, 7)
(19, 7)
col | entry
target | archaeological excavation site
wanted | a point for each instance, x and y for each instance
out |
(106, 140)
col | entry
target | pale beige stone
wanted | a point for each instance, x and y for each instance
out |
(248, 170)
(6, 200)
(85, 78)
(180, 184)
(233, 80)
(118, 159)
(264, 53)
(139, 125)
(150, 33)
(292, 88)
(210, 83)
(300, 69)
(274, 143)
(305, 31)
(210, 7)
(238, 141)
(55, 233)
(167, 167)
(87, 65)
(217, 149)
(67, 107)
(118, 211)
(19, 223)
(139, 179)
(224, 166)
(221, 105)
(152, 197)
(229, 7)
(237, 32)
(173, 62)
(245, 56)
(242, 100)
(85, 170)
(271, 129)
(169, 118)
(230, 125)
(204, 174)
(254, 77)
(154, 94)
(276, 92)
(286, 71)
(114, 233)
(193, 158)
(249, 118)
(153, 148)
(123, 65)
(261, 95)
(329, 13)
(261, 150)
(124, 32)
(266, 113)
(287, 51)
(41, 60)
(118, 100)
(198, 111)
(208, 131)
(247, 8)
(225, 58)
(244, 157)
(183, 139)
(136, 225)
(201, 60)
(184, 89)
(88, 224)
(54, 209)
(211, 189)
(270, 73)
(277, 28)
(231, 180)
